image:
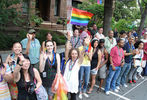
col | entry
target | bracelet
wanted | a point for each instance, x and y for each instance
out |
(20, 64)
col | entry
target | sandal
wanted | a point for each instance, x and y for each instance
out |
(99, 90)
(90, 90)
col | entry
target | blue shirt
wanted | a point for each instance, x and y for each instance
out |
(128, 48)
(34, 51)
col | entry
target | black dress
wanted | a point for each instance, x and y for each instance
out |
(94, 60)
(50, 73)
(23, 90)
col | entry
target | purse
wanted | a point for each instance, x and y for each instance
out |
(41, 93)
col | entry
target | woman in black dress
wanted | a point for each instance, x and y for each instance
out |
(49, 67)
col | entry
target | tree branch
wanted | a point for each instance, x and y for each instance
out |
(143, 1)
(141, 9)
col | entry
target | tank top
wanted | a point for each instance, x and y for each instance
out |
(23, 90)
(50, 73)
(94, 60)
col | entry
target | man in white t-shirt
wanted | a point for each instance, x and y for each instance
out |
(110, 41)
(99, 35)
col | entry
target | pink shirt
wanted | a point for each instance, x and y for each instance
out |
(117, 55)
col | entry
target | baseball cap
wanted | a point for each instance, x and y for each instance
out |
(101, 41)
(31, 31)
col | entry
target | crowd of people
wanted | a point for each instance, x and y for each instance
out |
(119, 58)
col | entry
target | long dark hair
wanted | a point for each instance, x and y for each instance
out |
(30, 70)
(137, 44)
(1, 63)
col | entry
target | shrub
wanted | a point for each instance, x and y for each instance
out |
(7, 41)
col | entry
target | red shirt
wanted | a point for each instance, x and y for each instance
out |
(117, 56)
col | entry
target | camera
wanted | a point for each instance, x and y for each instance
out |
(31, 88)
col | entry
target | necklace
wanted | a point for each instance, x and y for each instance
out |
(111, 42)
(70, 69)
(71, 65)
(53, 61)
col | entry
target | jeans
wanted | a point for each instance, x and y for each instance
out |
(123, 74)
(133, 73)
(84, 71)
(145, 69)
(112, 77)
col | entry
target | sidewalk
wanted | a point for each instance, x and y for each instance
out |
(4, 54)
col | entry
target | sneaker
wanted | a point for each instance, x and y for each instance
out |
(130, 81)
(116, 90)
(141, 77)
(117, 87)
(80, 96)
(107, 93)
(125, 85)
(134, 81)
(86, 95)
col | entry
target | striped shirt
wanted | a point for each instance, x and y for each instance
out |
(4, 91)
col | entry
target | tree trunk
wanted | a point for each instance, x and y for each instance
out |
(142, 22)
(108, 12)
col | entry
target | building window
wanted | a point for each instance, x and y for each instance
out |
(75, 3)
(25, 7)
(57, 8)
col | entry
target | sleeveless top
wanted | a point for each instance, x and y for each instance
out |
(49, 73)
(23, 90)
(94, 60)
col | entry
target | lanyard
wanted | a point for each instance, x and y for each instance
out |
(111, 42)
(119, 53)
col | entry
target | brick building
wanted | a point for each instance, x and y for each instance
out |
(51, 10)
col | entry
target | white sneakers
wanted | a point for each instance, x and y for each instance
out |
(80, 95)
(117, 87)
(107, 93)
(86, 95)
(125, 85)
(116, 90)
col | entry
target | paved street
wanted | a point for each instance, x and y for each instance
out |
(136, 91)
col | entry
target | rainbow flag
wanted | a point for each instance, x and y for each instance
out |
(99, 1)
(80, 17)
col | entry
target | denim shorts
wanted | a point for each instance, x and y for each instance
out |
(93, 71)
